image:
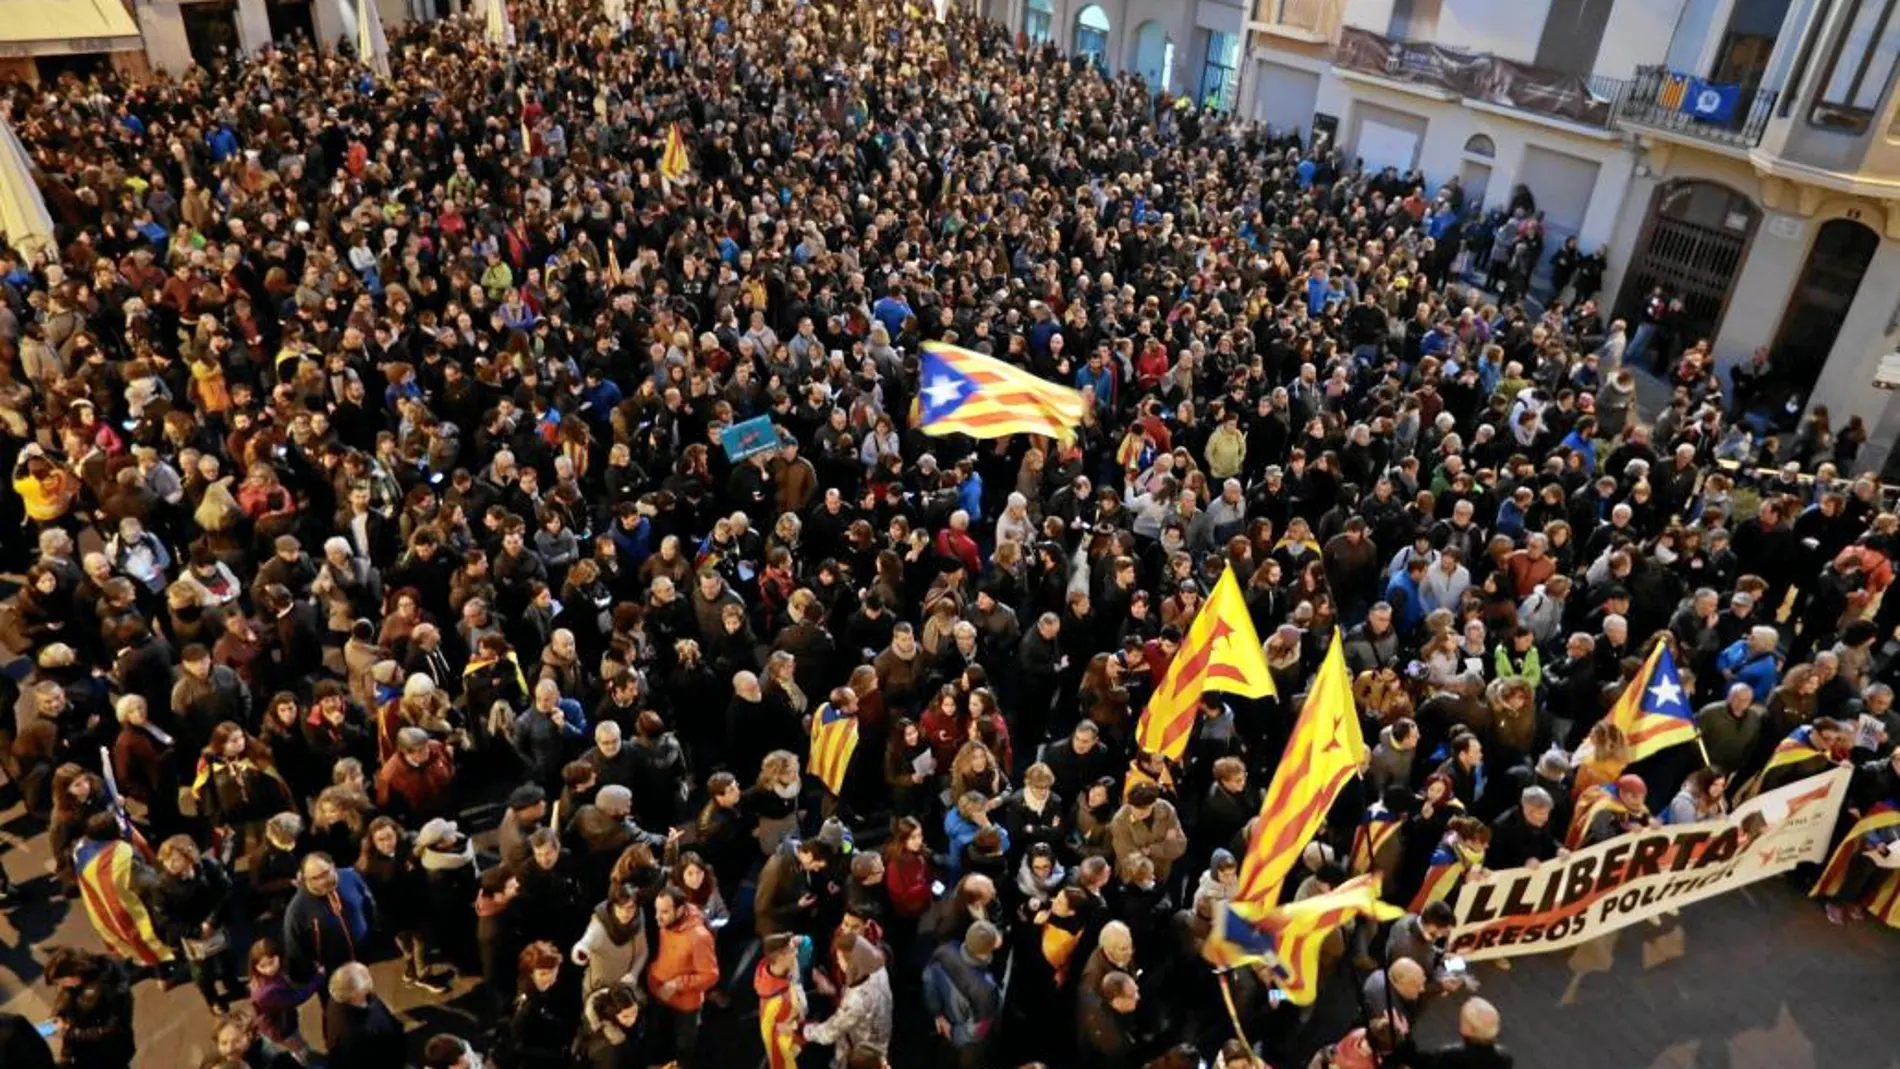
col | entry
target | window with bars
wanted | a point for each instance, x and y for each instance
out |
(1220, 76)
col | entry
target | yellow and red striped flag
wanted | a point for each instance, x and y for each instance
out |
(781, 1002)
(673, 161)
(1219, 652)
(834, 738)
(613, 264)
(969, 393)
(1326, 749)
(1289, 938)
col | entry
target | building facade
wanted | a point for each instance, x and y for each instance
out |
(1187, 47)
(42, 39)
(1743, 154)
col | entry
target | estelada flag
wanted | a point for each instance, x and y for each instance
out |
(1798, 747)
(1883, 899)
(673, 161)
(1602, 798)
(968, 393)
(106, 874)
(1289, 938)
(1653, 711)
(1378, 829)
(1300, 930)
(613, 264)
(1219, 652)
(1451, 861)
(1326, 749)
(781, 1001)
(834, 738)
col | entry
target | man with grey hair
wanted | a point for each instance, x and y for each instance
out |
(1523, 837)
(1731, 729)
(359, 1027)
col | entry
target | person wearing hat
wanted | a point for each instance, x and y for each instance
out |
(599, 833)
(527, 812)
(1609, 810)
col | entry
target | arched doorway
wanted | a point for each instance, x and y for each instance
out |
(1091, 35)
(1474, 175)
(1693, 245)
(1038, 21)
(1154, 56)
(1823, 293)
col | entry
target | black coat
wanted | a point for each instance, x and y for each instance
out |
(98, 1019)
(21, 1046)
(364, 1037)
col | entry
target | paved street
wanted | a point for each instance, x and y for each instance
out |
(1753, 980)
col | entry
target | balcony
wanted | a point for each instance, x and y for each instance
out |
(1482, 78)
(1653, 101)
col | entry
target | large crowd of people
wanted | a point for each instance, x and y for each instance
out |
(392, 595)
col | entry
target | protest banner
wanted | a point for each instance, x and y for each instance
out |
(1631, 878)
(754, 436)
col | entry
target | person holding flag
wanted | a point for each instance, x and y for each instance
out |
(1654, 712)
(963, 392)
(834, 738)
(674, 162)
(1326, 749)
(1219, 652)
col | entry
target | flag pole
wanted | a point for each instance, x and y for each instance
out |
(1233, 1014)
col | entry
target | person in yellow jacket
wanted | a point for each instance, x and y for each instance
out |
(1226, 448)
(47, 491)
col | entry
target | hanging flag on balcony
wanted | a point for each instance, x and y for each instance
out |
(1712, 103)
(1674, 92)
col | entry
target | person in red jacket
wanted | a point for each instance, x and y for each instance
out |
(417, 783)
(907, 875)
(684, 968)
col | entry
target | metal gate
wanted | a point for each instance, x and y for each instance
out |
(1692, 246)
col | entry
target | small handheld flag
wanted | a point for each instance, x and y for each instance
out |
(673, 161)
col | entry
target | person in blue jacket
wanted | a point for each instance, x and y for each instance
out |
(1754, 660)
(970, 816)
(329, 921)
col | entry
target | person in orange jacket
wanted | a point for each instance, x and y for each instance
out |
(684, 968)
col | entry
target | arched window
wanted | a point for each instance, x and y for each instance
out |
(1481, 145)
(1038, 21)
(1154, 55)
(1091, 35)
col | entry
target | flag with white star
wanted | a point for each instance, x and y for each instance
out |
(962, 392)
(1654, 711)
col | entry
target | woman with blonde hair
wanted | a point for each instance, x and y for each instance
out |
(773, 802)
(974, 771)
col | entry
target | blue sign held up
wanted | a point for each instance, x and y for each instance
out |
(1711, 103)
(754, 436)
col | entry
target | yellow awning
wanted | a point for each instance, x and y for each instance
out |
(54, 27)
